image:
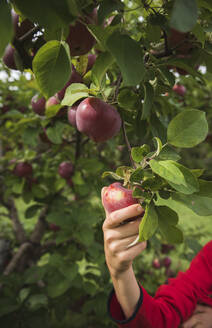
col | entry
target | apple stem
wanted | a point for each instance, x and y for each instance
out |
(128, 144)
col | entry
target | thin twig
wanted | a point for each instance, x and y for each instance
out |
(128, 144)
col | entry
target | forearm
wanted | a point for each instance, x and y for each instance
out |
(127, 291)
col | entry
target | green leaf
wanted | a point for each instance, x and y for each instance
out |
(37, 301)
(167, 170)
(112, 174)
(6, 28)
(128, 99)
(123, 170)
(137, 175)
(199, 202)
(106, 7)
(102, 63)
(167, 216)
(167, 153)
(191, 184)
(23, 294)
(178, 176)
(30, 136)
(32, 211)
(187, 129)
(167, 220)
(75, 92)
(137, 154)
(158, 144)
(52, 67)
(53, 16)
(51, 111)
(149, 223)
(200, 34)
(148, 100)
(55, 133)
(184, 15)
(128, 55)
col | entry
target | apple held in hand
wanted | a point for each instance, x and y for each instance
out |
(97, 119)
(116, 197)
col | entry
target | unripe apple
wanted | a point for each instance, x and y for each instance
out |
(9, 57)
(72, 115)
(97, 119)
(156, 263)
(38, 105)
(116, 197)
(74, 78)
(66, 170)
(179, 89)
(23, 170)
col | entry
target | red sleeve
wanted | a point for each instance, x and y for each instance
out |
(173, 303)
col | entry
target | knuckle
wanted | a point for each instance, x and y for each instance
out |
(109, 238)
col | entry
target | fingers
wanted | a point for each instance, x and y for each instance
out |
(116, 218)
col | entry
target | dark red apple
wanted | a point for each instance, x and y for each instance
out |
(20, 28)
(167, 262)
(38, 105)
(9, 57)
(97, 119)
(5, 109)
(91, 62)
(80, 40)
(74, 78)
(156, 263)
(66, 170)
(166, 248)
(54, 227)
(23, 169)
(72, 115)
(116, 197)
(179, 89)
(22, 109)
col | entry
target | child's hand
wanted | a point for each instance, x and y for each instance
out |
(119, 236)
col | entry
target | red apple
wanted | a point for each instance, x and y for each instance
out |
(54, 227)
(74, 78)
(23, 169)
(179, 89)
(167, 262)
(80, 40)
(9, 57)
(52, 101)
(91, 62)
(156, 263)
(97, 119)
(166, 248)
(116, 197)
(66, 170)
(72, 115)
(38, 105)
(5, 109)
